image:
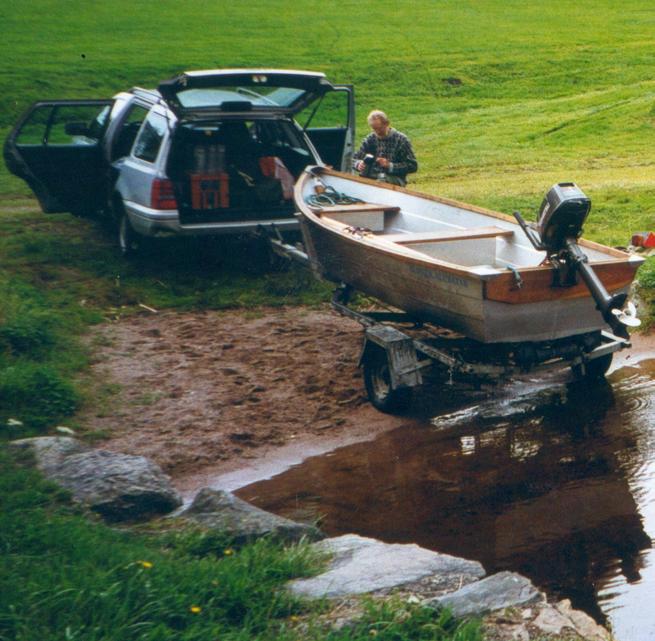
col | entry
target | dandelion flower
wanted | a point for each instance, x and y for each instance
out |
(294, 618)
(228, 551)
(196, 609)
(373, 633)
(145, 564)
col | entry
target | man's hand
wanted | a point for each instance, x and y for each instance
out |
(383, 162)
(359, 165)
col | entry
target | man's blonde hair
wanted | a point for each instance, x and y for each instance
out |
(376, 114)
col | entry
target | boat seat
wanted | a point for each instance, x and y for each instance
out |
(327, 210)
(445, 236)
(365, 215)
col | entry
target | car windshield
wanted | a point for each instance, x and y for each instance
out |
(262, 97)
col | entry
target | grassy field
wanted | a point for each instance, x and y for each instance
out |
(501, 99)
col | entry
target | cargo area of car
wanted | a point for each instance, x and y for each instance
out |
(236, 170)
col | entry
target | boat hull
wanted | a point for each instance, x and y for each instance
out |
(490, 308)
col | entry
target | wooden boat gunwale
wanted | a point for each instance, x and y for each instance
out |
(379, 243)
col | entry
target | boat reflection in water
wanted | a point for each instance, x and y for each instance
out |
(551, 488)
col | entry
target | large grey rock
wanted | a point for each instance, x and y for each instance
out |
(499, 591)
(362, 565)
(119, 487)
(49, 451)
(243, 522)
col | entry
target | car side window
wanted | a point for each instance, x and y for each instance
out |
(150, 137)
(64, 125)
(126, 134)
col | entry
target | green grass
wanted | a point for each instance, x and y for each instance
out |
(501, 99)
(64, 577)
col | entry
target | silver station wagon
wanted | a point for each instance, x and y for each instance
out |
(207, 152)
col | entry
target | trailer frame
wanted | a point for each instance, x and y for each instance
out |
(395, 363)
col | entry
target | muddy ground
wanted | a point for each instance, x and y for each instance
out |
(206, 394)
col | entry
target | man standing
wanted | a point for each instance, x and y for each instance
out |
(385, 154)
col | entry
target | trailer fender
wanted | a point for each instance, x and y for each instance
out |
(402, 359)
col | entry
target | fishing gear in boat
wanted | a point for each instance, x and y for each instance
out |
(559, 225)
(330, 196)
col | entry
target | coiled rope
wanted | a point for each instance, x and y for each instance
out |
(330, 196)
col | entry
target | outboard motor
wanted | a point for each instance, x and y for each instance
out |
(559, 225)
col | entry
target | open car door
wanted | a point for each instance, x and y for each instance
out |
(56, 149)
(330, 125)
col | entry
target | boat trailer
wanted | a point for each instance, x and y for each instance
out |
(395, 361)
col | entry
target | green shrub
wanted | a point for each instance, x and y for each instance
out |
(35, 394)
(28, 334)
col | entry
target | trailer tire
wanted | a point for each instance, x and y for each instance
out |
(594, 369)
(378, 385)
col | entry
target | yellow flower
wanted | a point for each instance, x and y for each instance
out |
(196, 609)
(294, 618)
(145, 564)
(373, 633)
(228, 551)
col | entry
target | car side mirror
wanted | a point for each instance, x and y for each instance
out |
(76, 128)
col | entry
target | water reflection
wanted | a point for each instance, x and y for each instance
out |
(559, 485)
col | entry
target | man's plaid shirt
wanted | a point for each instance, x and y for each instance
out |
(396, 147)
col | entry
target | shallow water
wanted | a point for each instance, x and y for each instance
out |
(556, 482)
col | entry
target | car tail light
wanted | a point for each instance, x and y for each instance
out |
(162, 195)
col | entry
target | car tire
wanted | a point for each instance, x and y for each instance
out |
(378, 385)
(593, 370)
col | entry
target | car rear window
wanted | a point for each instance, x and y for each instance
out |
(263, 97)
(150, 137)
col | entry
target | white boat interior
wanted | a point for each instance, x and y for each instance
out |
(482, 243)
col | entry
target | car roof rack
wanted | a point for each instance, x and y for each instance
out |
(152, 94)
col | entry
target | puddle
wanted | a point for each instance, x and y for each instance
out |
(557, 483)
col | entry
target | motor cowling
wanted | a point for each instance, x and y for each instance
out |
(561, 218)
(562, 215)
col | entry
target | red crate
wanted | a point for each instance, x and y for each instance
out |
(210, 191)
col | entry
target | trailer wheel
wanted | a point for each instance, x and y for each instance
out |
(378, 385)
(593, 369)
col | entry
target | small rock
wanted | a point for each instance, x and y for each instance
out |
(499, 591)
(241, 521)
(119, 487)
(583, 624)
(551, 621)
(62, 429)
(49, 451)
